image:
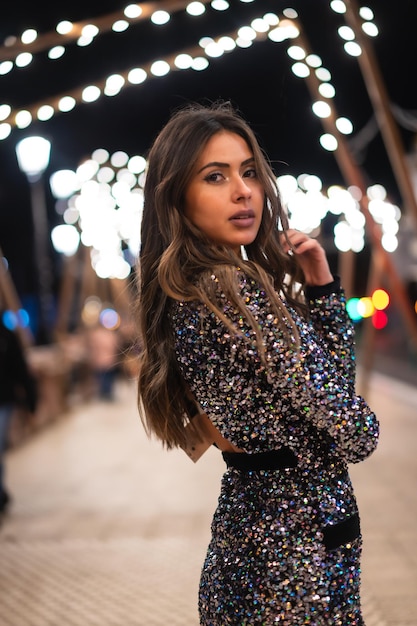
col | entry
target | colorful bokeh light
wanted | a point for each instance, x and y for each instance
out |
(379, 319)
(370, 307)
(380, 299)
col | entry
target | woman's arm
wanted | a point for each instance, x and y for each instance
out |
(329, 317)
(326, 300)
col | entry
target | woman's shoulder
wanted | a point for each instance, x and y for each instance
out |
(220, 283)
(181, 311)
(222, 289)
(224, 279)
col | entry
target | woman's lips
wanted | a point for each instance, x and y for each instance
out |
(243, 219)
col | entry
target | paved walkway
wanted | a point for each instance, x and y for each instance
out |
(107, 529)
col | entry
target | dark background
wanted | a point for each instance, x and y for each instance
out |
(258, 80)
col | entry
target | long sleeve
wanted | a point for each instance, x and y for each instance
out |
(230, 382)
(329, 317)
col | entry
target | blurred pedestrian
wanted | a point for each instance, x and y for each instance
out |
(17, 389)
(103, 356)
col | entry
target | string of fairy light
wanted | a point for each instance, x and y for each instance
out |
(18, 52)
(158, 14)
(196, 58)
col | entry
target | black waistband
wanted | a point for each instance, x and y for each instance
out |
(341, 533)
(271, 460)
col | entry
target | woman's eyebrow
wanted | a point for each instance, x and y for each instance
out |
(220, 164)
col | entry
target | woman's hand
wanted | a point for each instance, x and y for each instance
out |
(310, 255)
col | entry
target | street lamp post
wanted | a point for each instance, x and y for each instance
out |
(33, 158)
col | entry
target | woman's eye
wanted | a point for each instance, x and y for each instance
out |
(251, 173)
(214, 177)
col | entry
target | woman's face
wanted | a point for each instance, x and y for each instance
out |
(225, 198)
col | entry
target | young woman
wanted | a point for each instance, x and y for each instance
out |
(242, 320)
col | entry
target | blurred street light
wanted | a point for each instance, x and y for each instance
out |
(65, 239)
(33, 158)
(63, 183)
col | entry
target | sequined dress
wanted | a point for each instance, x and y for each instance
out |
(269, 560)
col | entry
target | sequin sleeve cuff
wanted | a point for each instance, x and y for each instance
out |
(318, 291)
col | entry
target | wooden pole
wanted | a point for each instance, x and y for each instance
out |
(380, 101)
(346, 271)
(354, 176)
(375, 275)
(121, 297)
(66, 295)
(11, 299)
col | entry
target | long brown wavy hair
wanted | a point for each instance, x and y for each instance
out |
(176, 260)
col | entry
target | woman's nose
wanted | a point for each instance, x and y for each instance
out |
(241, 189)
